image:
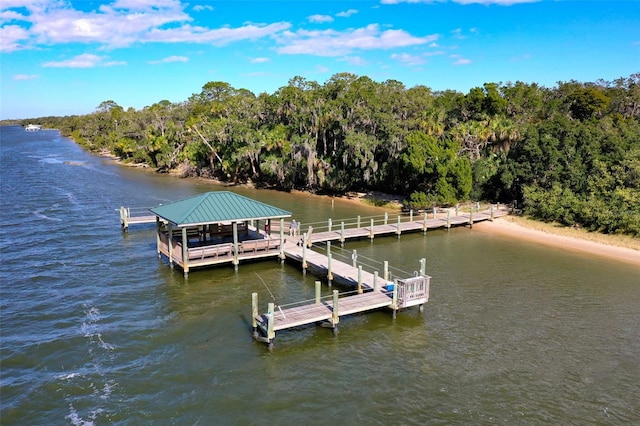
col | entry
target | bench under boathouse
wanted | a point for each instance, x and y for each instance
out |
(217, 227)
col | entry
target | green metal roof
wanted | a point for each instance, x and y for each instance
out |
(216, 207)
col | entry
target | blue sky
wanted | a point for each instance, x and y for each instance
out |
(61, 57)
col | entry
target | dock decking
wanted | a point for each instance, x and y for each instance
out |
(372, 292)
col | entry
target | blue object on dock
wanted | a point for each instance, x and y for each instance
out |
(389, 286)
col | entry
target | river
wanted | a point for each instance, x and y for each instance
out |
(96, 330)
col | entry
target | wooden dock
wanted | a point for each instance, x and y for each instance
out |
(402, 224)
(135, 216)
(372, 291)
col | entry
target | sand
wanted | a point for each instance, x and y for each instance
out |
(504, 226)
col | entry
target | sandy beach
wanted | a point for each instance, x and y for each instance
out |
(512, 228)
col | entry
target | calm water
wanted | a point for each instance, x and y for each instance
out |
(96, 330)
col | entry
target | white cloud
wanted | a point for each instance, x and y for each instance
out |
(200, 8)
(459, 60)
(25, 76)
(12, 37)
(170, 59)
(346, 13)
(86, 60)
(407, 59)
(220, 36)
(260, 60)
(10, 15)
(115, 25)
(338, 43)
(318, 19)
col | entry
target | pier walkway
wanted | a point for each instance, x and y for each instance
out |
(135, 216)
(372, 292)
(403, 223)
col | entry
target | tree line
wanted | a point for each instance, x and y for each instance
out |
(570, 153)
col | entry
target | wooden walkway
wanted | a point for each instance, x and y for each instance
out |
(371, 293)
(423, 224)
(138, 217)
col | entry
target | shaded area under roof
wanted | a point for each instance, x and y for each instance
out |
(216, 207)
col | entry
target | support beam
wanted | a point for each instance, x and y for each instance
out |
(335, 315)
(234, 226)
(254, 314)
(185, 252)
(371, 233)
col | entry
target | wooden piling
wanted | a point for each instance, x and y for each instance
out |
(271, 334)
(254, 314)
(335, 316)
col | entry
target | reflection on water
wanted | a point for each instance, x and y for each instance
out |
(96, 329)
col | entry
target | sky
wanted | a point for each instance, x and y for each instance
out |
(61, 57)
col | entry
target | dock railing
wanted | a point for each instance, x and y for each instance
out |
(397, 218)
(135, 215)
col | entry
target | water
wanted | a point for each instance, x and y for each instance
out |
(96, 330)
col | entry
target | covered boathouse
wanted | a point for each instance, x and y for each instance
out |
(216, 228)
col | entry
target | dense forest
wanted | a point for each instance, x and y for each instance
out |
(569, 154)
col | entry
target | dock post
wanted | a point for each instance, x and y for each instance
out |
(491, 213)
(318, 298)
(304, 253)
(360, 279)
(423, 266)
(308, 234)
(185, 253)
(282, 257)
(371, 233)
(386, 270)
(386, 217)
(170, 241)
(354, 258)
(123, 219)
(358, 223)
(329, 225)
(236, 261)
(457, 207)
(449, 219)
(394, 305)
(471, 217)
(158, 238)
(271, 334)
(434, 213)
(254, 314)
(375, 281)
(424, 222)
(342, 233)
(329, 273)
(411, 215)
(335, 315)
(398, 227)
